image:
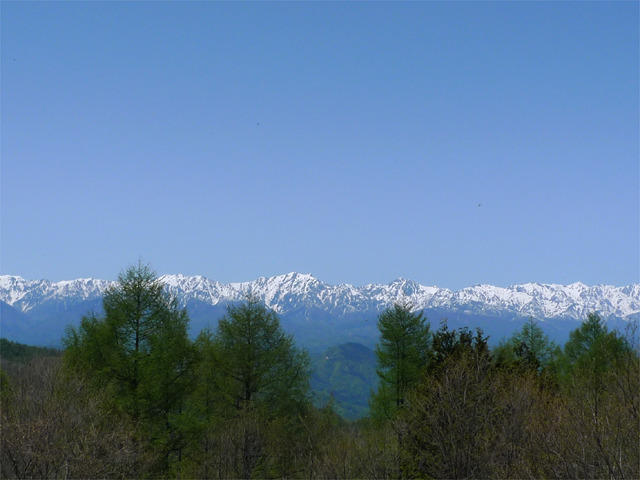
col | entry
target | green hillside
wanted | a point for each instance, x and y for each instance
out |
(346, 373)
(18, 352)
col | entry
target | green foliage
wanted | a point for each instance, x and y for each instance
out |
(528, 348)
(139, 348)
(137, 399)
(251, 394)
(18, 352)
(258, 362)
(446, 431)
(450, 345)
(140, 354)
(470, 417)
(402, 354)
(591, 352)
(594, 424)
(450, 428)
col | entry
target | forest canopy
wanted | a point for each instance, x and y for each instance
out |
(133, 396)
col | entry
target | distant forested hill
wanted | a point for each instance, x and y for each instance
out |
(346, 373)
(18, 352)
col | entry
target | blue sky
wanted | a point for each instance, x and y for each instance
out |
(353, 141)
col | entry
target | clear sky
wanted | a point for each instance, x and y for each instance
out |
(450, 143)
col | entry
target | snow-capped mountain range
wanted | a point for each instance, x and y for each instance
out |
(284, 293)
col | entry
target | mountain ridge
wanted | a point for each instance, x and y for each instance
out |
(287, 292)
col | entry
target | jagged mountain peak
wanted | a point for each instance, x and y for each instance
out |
(6, 279)
(25, 294)
(293, 290)
(177, 279)
(291, 279)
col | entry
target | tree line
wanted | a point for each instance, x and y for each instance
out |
(133, 396)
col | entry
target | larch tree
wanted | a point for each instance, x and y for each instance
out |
(257, 361)
(402, 354)
(140, 354)
(529, 348)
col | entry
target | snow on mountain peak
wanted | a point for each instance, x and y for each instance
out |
(25, 294)
(294, 290)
